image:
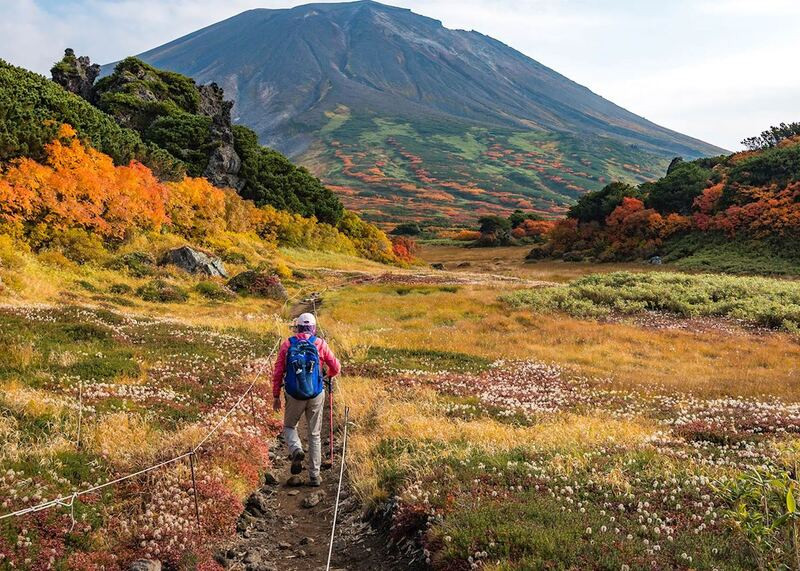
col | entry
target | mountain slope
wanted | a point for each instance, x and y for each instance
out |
(396, 109)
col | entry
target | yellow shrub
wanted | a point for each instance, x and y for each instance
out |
(11, 252)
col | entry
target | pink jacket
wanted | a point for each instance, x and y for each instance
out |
(326, 358)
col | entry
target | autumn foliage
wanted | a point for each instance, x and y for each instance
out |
(404, 248)
(77, 188)
(751, 195)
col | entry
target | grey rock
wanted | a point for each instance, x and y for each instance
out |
(655, 260)
(464, 265)
(284, 545)
(306, 540)
(195, 262)
(223, 164)
(269, 479)
(437, 266)
(252, 560)
(76, 74)
(313, 499)
(257, 504)
(145, 565)
(674, 163)
(294, 481)
(293, 492)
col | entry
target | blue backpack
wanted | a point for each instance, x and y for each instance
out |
(303, 379)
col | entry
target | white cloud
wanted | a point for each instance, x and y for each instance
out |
(719, 70)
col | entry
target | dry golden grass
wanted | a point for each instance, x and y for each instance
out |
(472, 321)
(419, 416)
(26, 401)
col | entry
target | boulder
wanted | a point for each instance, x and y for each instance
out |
(195, 262)
(313, 499)
(464, 265)
(437, 266)
(145, 565)
(655, 260)
(259, 284)
(294, 481)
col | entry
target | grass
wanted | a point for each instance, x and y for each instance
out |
(509, 435)
(474, 323)
(762, 302)
(149, 386)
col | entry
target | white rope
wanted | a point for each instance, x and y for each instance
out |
(339, 489)
(241, 398)
(69, 501)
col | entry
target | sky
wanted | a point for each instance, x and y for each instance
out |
(718, 70)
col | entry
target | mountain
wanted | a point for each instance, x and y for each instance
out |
(409, 119)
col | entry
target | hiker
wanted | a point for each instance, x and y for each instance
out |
(299, 369)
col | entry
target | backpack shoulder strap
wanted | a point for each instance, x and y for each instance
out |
(312, 339)
(292, 340)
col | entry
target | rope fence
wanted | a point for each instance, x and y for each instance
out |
(69, 500)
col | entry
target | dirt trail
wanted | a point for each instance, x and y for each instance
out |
(278, 532)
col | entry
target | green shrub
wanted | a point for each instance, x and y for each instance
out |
(120, 289)
(272, 179)
(214, 291)
(161, 291)
(137, 264)
(764, 302)
(32, 108)
(79, 246)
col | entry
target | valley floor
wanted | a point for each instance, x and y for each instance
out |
(483, 434)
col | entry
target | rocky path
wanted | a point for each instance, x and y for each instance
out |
(287, 527)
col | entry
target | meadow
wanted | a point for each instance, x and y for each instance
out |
(513, 436)
(486, 433)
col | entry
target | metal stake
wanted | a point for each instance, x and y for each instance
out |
(194, 488)
(80, 411)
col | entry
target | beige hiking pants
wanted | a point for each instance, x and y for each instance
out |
(313, 411)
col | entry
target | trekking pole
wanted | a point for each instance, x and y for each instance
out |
(329, 386)
(330, 416)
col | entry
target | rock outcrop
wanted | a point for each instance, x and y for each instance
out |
(223, 163)
(159, 93)
(76, 74)
(195, 262)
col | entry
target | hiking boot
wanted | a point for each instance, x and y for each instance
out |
(297, 461)
(314, 482)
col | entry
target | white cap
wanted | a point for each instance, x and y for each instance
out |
(306, 319)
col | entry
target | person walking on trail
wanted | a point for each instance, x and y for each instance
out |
(298, 369)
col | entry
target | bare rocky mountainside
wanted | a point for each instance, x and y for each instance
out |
(395, 110)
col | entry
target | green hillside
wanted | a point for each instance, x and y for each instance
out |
(32, 108)
(444, 172)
